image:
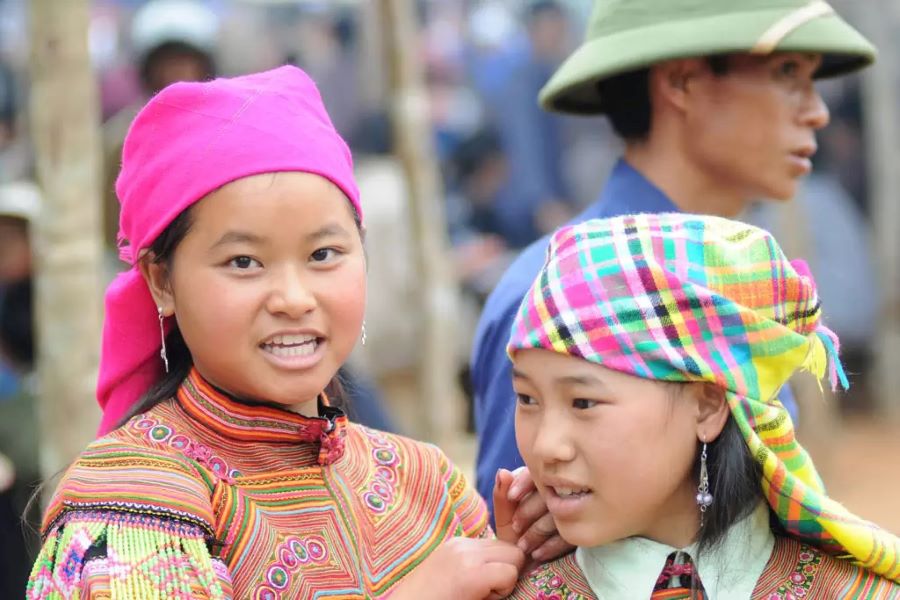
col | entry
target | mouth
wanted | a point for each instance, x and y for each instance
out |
(566, 499)
(801, 158)
(295, 350)
(567, 493)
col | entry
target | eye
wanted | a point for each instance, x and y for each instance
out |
(789, 68)
(583, 403)
(324, 254)
(244, 262)
(525, 400)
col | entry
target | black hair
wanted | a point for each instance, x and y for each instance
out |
(625, 99)
(162, 251)
(169, 50)
(734, 482)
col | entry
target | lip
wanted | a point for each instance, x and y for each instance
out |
(801, 158)
(311, 332)
(564, 508)
(295, 363)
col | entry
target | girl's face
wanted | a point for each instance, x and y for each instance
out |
(268, 287)
(610, 453)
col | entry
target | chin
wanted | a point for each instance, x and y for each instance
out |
(586, 535)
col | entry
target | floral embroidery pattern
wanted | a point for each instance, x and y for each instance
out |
(380, 493)
(163, 434)
(550, 586)
(800, 580)
(292, 553)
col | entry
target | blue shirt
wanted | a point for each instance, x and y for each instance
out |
(626, 192)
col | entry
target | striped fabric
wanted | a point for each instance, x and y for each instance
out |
(794, 571)
(206, 497)
(692, 298)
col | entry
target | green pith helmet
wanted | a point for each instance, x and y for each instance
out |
(626, 35)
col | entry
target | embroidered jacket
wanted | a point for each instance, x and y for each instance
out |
(793, 571)
(206, 497)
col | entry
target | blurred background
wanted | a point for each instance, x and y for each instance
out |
(459, 170)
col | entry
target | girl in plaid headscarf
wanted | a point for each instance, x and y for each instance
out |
(647, 357)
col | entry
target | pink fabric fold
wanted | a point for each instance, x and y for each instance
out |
(188, 141)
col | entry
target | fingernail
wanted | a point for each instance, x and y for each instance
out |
(538, 554)
(517, 527)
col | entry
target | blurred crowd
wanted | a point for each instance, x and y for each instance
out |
(511, 171)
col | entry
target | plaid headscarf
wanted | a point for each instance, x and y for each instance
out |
(677, 297)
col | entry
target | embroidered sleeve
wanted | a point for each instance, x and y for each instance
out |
(129, 522)
(467, 505)
(111, 556)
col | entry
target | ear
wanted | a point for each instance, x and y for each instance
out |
(712, 411)
(671, 81)
(156, 274)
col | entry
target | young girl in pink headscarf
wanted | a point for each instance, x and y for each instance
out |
(223, 471)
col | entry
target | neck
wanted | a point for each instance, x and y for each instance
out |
(667, 164)
(678, 523)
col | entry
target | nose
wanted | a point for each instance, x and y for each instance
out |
(290, 295)
(815, 112)
(553, 442)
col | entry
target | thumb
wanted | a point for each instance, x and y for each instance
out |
(504, 508)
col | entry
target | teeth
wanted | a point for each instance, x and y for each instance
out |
(291, 340)
(565, 491)
(304, 349)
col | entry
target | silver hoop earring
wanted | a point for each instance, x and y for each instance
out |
(162, 338)
(704, 498)
(363, 337)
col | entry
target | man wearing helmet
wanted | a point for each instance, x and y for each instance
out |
(716, 105)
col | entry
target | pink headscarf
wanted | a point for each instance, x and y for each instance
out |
(191, 139)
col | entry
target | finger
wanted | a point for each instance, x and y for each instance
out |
(504, 508)
(528, 511)
(522, 485)
(499, 580)
(537, 534)
(551, 549)
(499, 551)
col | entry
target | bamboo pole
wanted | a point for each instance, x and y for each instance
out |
(65, 128)
(440, 397)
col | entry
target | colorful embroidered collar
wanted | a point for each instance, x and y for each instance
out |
(222, 414)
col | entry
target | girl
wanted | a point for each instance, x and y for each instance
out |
(646, 360)
(224, 470)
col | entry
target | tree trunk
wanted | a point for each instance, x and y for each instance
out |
(440, 397)
(65, 129)
(880, 20)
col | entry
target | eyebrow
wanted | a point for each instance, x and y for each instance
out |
(567, 379)
(238, 237)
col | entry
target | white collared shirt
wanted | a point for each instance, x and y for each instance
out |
(628, 569)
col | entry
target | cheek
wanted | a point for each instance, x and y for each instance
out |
(526, 426)
(342, 298)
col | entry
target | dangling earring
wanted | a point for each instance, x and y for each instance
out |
(162, 338)
(704, 498)
(363, 338)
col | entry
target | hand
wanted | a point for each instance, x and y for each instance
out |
(464, 569)
(522, 518)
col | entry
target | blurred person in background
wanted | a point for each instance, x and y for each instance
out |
(531, 138)
(19, 466)
(172, 40)
(15, 151)
(715, 111)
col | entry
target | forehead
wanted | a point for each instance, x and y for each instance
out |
(302, 199)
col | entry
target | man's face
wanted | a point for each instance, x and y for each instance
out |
(753, 128)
